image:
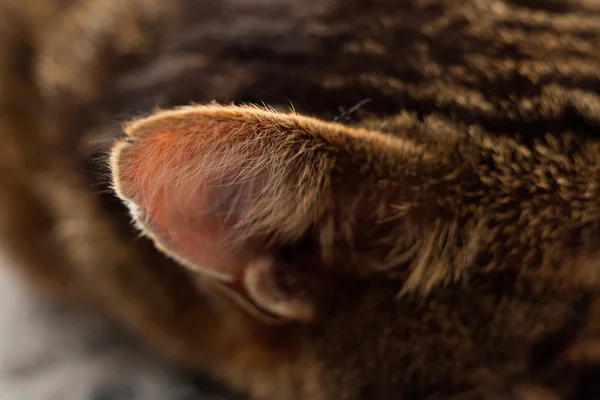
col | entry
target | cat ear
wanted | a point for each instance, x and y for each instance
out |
(224, 189)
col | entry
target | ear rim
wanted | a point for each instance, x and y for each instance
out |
(334, 132)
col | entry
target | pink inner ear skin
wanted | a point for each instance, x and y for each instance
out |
(153, 173)
(196, 242)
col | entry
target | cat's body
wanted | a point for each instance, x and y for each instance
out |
(452, 228)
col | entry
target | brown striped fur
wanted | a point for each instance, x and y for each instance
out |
(440, 165)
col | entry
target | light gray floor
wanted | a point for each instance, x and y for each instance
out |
(47, 354)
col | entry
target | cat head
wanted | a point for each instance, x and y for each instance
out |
(383, 265)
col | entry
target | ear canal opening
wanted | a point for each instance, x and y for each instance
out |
(260, 281)
(258, 292)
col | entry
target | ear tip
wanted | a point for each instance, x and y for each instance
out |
(159, 147)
